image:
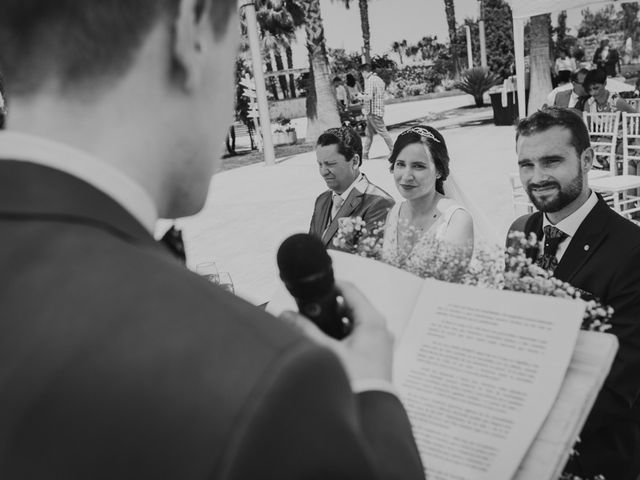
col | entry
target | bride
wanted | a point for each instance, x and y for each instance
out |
(420, 166)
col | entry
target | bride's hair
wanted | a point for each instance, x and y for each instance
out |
(433, 141)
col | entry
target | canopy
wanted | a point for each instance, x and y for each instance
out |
(522, 10)
(530, 8)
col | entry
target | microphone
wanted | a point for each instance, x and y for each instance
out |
(307, 272)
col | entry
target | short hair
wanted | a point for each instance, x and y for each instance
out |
(81, 40)
(549, 117)
(366, 67)
(564, 76)
(336, 79)
(576, 73)
(351, 80)
(434, 141)
(595, 76)
(347, 140)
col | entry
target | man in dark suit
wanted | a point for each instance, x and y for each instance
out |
(116, 362)
(598, 251)
(350, 194)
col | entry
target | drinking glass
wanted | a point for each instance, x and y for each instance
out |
(209, 271)
(225, 281)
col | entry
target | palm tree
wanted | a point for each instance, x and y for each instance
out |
(453, 35)
(539, 61)
(363, 6)
(322, 110)
(279, 20)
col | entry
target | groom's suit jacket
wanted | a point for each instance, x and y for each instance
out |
(366, 200)
(603, 259)
(117, 362)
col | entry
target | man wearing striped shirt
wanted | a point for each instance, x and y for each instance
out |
(373, 108)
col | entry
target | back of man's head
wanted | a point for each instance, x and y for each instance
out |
(550, 117)
(78, 41)
(367, 67)
(576, 74)
(347, 140)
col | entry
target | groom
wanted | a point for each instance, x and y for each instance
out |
(350, 194)
(593, 248)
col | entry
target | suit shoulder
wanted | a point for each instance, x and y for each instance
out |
(375, 191)
(520, 223)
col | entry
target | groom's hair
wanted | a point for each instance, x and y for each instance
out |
(544, 119)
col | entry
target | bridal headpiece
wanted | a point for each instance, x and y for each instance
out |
(423, 132)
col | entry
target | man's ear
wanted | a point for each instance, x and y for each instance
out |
(190, 29)
(587, 159)
(355, 161)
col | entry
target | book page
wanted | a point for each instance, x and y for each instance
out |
(478, 371)
(393, 292)
(589, 367)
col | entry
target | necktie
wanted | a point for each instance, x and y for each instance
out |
(552, 238)
(173, 241)
(337, 203)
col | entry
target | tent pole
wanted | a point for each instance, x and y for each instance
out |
(518, 43)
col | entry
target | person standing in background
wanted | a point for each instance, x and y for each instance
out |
(373, 108)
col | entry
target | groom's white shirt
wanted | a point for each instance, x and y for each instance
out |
(571, 224)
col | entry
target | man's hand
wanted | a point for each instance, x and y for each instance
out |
(367, 353)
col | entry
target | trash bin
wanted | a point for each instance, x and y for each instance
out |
(504, 115)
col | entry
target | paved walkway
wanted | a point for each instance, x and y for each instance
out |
(252, 209)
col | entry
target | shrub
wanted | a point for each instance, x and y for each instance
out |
(476, 81)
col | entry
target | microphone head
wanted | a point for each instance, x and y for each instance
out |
(305, 266)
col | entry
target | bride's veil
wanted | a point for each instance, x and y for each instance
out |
(484, 234)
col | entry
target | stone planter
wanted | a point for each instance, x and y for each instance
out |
(280, 138)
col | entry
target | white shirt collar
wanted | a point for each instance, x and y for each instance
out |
(571, 224)
(114, 183)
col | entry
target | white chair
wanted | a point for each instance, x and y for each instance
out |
(625, 188)
(603, 133)
(520, 199)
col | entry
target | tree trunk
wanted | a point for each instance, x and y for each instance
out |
(282, 79)
(540, 62)
(366, 31)
(271, 84)
(292, 80)
(322, 108)
(453, 35)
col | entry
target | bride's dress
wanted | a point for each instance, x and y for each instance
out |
(436, 231)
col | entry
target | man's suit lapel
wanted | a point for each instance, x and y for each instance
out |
(321, 215)
(591, 233)
(28, 190)
(349, 206)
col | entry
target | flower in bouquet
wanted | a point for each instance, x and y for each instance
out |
(490, 267)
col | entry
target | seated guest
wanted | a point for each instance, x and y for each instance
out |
(341, 93)
(597, 250)
(350, 194)
(572, 97)
(601, 99)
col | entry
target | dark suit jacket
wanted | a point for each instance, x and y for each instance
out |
(372, 205)
(603, 259)
(118, 363)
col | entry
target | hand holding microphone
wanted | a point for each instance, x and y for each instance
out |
(366, 352)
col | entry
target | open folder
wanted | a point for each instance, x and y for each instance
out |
(497, 384)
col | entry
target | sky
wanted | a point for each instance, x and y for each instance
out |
(391, 20)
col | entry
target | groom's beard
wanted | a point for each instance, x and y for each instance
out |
(563, 196)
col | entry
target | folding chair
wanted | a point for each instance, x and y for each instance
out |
(625, 188)
(520, 199)
(603, 133)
